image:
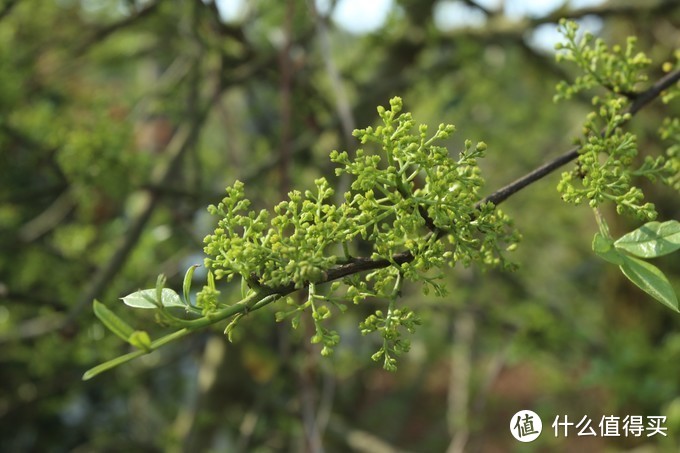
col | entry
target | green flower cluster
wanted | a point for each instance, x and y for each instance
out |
(670, 131)
(618, 70)
(289, 247)
(412, 183)
(384, 206)
(418, 208)
(607, 164)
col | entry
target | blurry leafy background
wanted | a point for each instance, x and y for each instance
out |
(121, 120)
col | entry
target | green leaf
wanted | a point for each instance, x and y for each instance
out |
(604, 248)
(92, 372)
(211, 280)
(651, 280)
(112, 321)
(232, 325)
(140, 340)
(186, 286)
(145, 298)
(651, 239)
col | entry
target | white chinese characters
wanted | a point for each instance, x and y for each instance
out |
(611, 426)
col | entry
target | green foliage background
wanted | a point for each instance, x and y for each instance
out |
(121, 121)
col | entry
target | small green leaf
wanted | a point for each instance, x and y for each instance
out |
(186, 286)
(232, 325)
(211, 280)
(140, 340)
(112, 321)
(651, 239)
(604, 248)
(145, 298)
(650, 279)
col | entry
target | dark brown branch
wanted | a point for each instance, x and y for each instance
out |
(103, 33)
(632, 9)
(653, 92)
(514, 29)
(355, 266)
(641, 101)
(487, 12)
(505, 192)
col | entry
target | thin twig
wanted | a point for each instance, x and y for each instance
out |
(103, 33)
(609, 9)
(48, 219)
(487, 12)
(512, 29)
(640, 102)
(504, 193)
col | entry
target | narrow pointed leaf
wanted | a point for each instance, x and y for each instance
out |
(211, 280)
(651, 280)
(145, 298)
(92, 372)
(651, 239)
(186, 286)
(133, 355)
(112, 321)
(231, 326)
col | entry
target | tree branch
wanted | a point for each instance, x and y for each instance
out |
(609, 9)
(487, 12)
(265, 295)
(640, 102)
(362, 264)
(105, 32)
(501, 27)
